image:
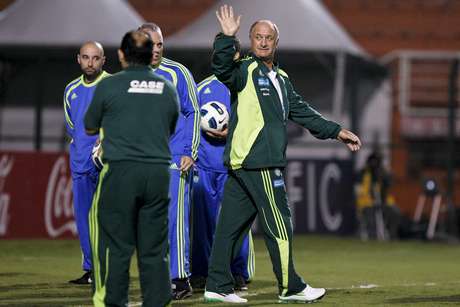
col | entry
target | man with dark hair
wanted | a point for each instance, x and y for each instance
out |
(77, 96)
(136, 111)
(263, 99)
(184, 149)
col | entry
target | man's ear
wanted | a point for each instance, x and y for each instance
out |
(78, 59)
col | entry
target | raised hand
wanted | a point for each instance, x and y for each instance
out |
(350, 139)
(229, 24)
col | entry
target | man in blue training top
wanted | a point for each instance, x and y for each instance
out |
(184, 149)
(208, 189)
(77, 97)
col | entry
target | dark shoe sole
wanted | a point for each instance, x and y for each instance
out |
(182, 295)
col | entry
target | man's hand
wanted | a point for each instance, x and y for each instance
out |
(229, 24)
(220, 135)
(186, 163)
(349, 139)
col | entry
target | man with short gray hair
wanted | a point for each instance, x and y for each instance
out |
(263, 100)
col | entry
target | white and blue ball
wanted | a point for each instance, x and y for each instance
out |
(214, 116)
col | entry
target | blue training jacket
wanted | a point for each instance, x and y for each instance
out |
(211, 151)
(186, 138)
(77, 97)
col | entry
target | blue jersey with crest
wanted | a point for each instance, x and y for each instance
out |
(186, 138)
(211, 150)
(77, 97)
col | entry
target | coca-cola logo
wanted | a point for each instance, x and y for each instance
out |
(6, 164)
(58, 203)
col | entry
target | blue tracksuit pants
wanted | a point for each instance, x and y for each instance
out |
(83, 186)
(179, 221)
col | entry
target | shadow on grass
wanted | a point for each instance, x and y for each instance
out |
(425, 299)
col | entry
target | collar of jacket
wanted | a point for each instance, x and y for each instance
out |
(264, 67)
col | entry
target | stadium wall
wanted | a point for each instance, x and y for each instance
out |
(36, 195)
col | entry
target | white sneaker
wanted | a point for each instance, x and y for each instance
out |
(225, 298)
(308, 294)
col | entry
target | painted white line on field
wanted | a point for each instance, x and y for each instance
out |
(366, 286)
(370, 286)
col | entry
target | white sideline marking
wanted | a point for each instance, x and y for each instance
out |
(370, 286)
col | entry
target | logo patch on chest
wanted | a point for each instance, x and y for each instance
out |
(263, 82)
(278, 183)
(146, 87)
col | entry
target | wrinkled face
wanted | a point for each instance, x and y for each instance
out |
(264, 41)
(157, 39)
(91, 59)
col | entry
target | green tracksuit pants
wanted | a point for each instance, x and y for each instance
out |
(130, 212)
(249, 193)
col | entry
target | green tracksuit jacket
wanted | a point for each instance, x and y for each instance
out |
(257, 129)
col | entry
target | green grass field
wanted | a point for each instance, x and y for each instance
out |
(35, 273)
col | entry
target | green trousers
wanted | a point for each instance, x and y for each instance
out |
(249, 193)
(130, 212)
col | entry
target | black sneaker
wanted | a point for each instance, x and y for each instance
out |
(86, 279)
(240, 283)
(181, 289)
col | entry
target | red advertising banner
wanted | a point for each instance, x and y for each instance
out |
(35, 196)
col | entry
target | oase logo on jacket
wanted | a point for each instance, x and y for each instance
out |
(146, 87)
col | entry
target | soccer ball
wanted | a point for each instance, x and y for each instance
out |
(214, 116)
(96, 155)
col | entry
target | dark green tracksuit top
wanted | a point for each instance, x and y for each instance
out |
(136, 111)
(257, 135)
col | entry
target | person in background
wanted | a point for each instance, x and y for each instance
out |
(184, 149)
(378, 214)
(77, 97)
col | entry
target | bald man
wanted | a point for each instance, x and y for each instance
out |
(77, 97)
(263, 100)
